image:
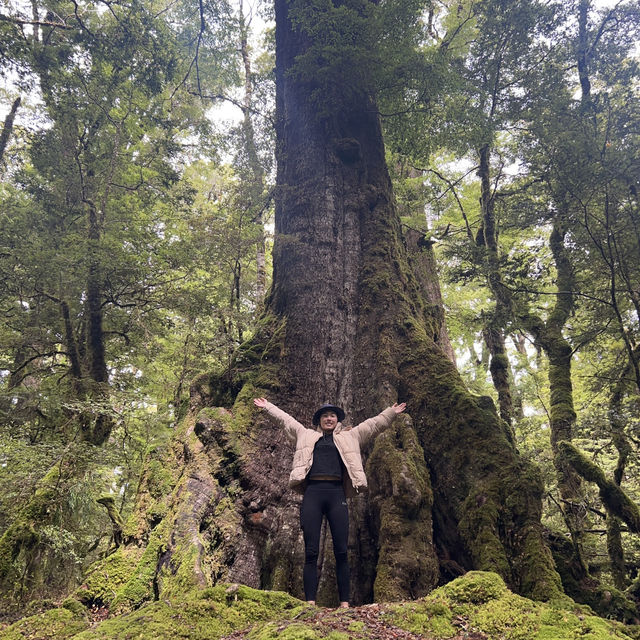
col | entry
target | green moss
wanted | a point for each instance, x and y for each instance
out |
(476, 587)
(434, 616)
(109, 504)
(76, 607)
(55, 624)
(274, 631)
(481, 602)
(138, 588)
(159, 477)
(160, 480)
(536, 570)
(490, 498)
(508, 616)
(479, 526)
(407, 565)
(175, 582)
(208, 615)
(20, 534)
(21, 537)
(106, 577)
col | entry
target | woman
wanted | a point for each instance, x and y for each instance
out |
(326, 463)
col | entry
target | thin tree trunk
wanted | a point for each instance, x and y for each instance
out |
(621, 442)
(494, 331)
(583, 52)
(562, 413)
(98, 427)
(7, 127)
(256, 170)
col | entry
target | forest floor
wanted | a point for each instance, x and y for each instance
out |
(476, 606)
(368, 622)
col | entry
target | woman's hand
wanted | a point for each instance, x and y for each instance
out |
(260, 402)
(399, 408)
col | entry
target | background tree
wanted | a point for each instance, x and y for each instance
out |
(509, 71)
(96, 238)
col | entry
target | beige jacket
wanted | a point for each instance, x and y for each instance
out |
(347, 441)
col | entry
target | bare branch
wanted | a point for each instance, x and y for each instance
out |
(35, 23)
(452, 188)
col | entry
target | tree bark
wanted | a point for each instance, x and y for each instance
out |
(494, 330)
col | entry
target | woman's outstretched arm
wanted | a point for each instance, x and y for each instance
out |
(291, 426)
(373, 426)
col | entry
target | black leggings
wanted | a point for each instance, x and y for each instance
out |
(325, 498)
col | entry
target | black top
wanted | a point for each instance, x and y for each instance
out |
(326, 458)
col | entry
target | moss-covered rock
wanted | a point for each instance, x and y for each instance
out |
(476, 605)
(480, 602)
(106, 578)
(209, 614)
(76, 607)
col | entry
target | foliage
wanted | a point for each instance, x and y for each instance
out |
(506, 79)
(109, 250)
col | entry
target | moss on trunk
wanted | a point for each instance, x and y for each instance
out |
(20, 543)
(402, 499)
(615, 499)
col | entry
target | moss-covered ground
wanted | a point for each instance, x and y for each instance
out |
(480, 603)
(477, 605)
(207, 615)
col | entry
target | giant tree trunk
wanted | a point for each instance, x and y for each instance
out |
(355, 329)
(347, 322)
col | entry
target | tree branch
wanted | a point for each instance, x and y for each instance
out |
(34, 23)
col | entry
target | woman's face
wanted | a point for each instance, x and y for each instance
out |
(328, 420)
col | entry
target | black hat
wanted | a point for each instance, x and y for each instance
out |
(327, 407)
